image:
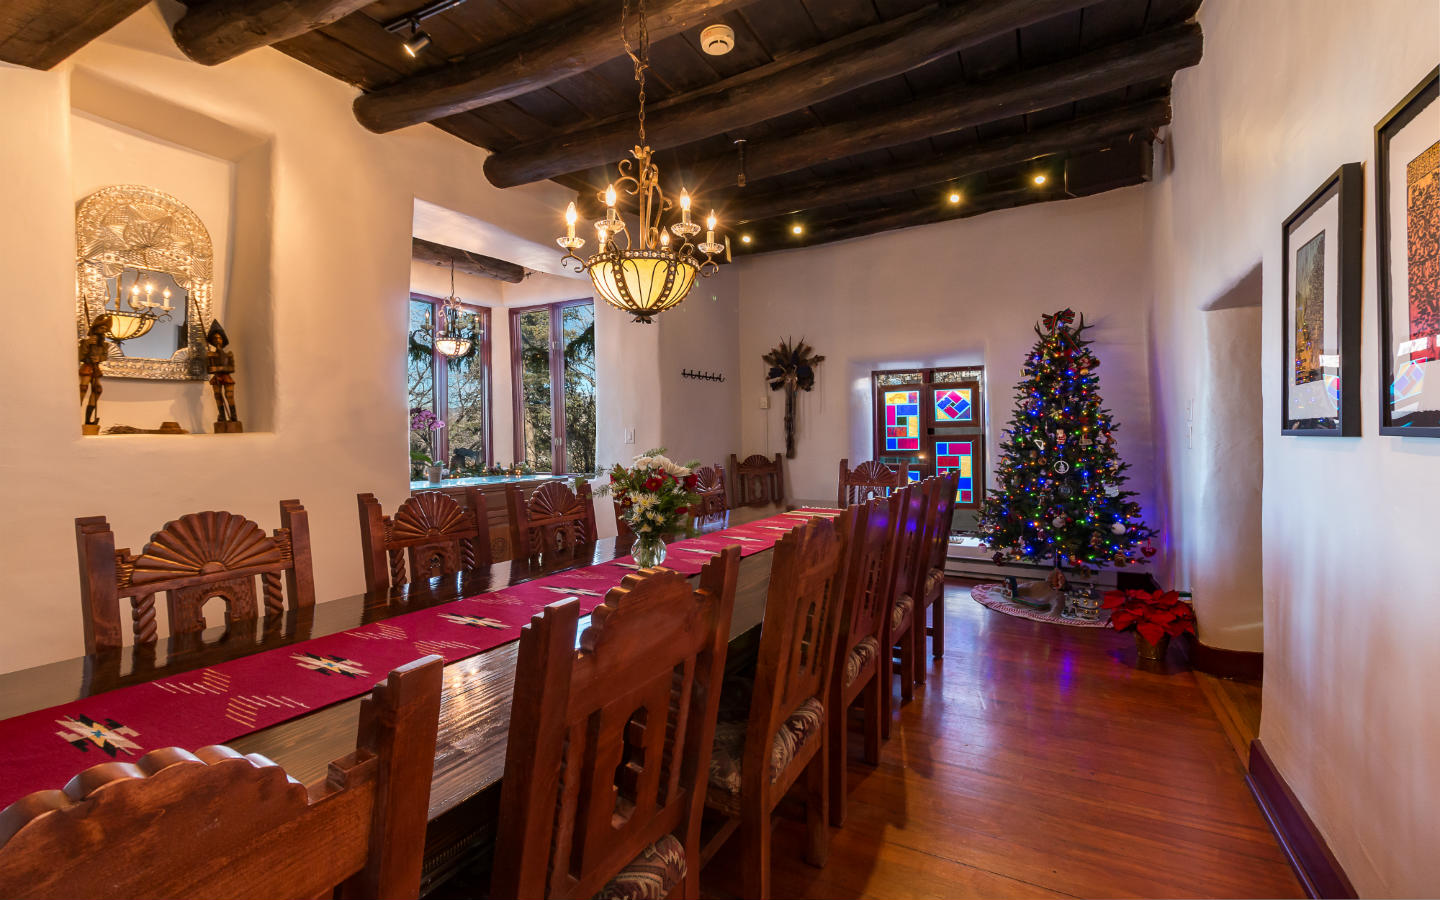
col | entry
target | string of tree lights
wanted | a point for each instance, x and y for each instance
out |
(1061, 497)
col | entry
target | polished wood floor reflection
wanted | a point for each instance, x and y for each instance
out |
(1039, 761)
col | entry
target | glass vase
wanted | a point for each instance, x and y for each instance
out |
(648, 550)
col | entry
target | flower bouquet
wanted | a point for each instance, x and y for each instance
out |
(655, 496)
(426, 426)
(1154, 616)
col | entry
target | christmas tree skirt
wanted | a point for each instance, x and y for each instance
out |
(992, 596)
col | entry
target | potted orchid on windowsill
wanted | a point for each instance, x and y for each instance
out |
(425, 423)
(656, 496)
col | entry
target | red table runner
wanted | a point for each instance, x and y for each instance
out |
(43, 749)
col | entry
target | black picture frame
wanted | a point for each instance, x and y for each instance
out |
(1404, 112)
(1345, 187)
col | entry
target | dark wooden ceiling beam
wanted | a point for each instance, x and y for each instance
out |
(1156, 55)
(224, 29)
(792, 82)
(527, 62)
(1088, 133)
(823, 226)
(465, 261)
(41, 33)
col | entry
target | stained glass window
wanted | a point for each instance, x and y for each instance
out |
(953, 405)
(902, 420)
(957, 456)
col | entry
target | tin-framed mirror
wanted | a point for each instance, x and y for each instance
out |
(144, 258)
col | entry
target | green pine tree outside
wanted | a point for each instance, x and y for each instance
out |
(1061, 499)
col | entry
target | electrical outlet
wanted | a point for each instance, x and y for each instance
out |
(765, 401)
(629, 435)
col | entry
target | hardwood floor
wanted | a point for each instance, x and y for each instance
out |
(1039, 761)
(1236, 703)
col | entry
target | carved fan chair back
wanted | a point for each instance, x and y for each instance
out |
(909, 552)
(758, 481)
(429, 535)
(941, 512)
(775, 738)
(191, 560)
(869, 479)
(216, 823)
(859, 662)
(554, 520)
(610, 744)
(710, 485)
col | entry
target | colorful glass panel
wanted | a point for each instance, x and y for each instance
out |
(953, 405)
(959, 457)
(902, 420)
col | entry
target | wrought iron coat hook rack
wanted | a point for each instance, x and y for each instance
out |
(701, 376)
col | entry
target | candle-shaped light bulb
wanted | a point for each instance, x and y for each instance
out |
(570, 217)
(603, 232)
(710, 226)
(610, 195)
(166, 305)
(664, 238)
(685, 206)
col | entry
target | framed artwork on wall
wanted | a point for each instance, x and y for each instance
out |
(1407, 256)
(1320, 248)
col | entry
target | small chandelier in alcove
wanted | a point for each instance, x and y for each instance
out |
(448, 341)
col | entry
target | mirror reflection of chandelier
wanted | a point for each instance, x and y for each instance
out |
(448, 341)
(652, 273)
(144, 310)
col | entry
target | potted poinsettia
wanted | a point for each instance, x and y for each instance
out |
(1154, 616)
(656, 496)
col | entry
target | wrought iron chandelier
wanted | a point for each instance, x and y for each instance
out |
(448, 341)
(652, 273)
(144, 311)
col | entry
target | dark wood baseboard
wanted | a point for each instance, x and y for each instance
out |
(1316, 867)
(1245, 665)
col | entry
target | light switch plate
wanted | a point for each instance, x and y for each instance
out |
(629, 435)
(765, 401)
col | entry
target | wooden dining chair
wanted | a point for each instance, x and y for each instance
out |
(609, 744)
(710, 485)
(196, 558)
(859, 663)
(900, 631)
(218, 823)
(554, 520)
(430, 531)
(869, 479)
(775, 738)
(941, 510)
(758, 480)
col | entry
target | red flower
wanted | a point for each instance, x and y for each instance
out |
(653, 483)
(691, 481)
(681, 510)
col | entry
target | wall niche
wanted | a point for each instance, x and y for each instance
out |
(172, 161)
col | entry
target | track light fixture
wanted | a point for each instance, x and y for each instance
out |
(417, 41)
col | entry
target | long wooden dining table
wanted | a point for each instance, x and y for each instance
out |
(475, 700)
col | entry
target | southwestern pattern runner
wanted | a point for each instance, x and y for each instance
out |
(220, 703)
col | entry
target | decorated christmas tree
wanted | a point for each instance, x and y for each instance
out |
(1061, 499)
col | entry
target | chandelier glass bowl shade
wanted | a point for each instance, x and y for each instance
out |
(448, 341)
(651, 273)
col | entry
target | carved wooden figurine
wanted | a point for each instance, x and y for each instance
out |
(220, 363)
(93, 352)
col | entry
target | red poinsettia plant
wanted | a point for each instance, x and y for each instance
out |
(1154, 614)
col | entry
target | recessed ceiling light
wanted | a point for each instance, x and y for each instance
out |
(797, 229)
(717, 40)
(954, 197)
(1040, 178)
(744, 238)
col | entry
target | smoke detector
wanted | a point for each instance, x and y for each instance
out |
(717, 40)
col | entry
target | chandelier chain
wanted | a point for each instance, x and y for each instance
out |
(640, 58)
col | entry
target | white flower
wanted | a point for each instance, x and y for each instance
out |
(673, 469)
(642, 462)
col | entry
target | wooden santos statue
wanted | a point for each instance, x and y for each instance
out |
(220, 363)
(93, 351)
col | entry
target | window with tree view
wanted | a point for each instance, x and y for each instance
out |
(554, 367)
(449, 397)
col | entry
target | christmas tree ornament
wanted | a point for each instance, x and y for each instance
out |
(1061, 466)
(1118, 528)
